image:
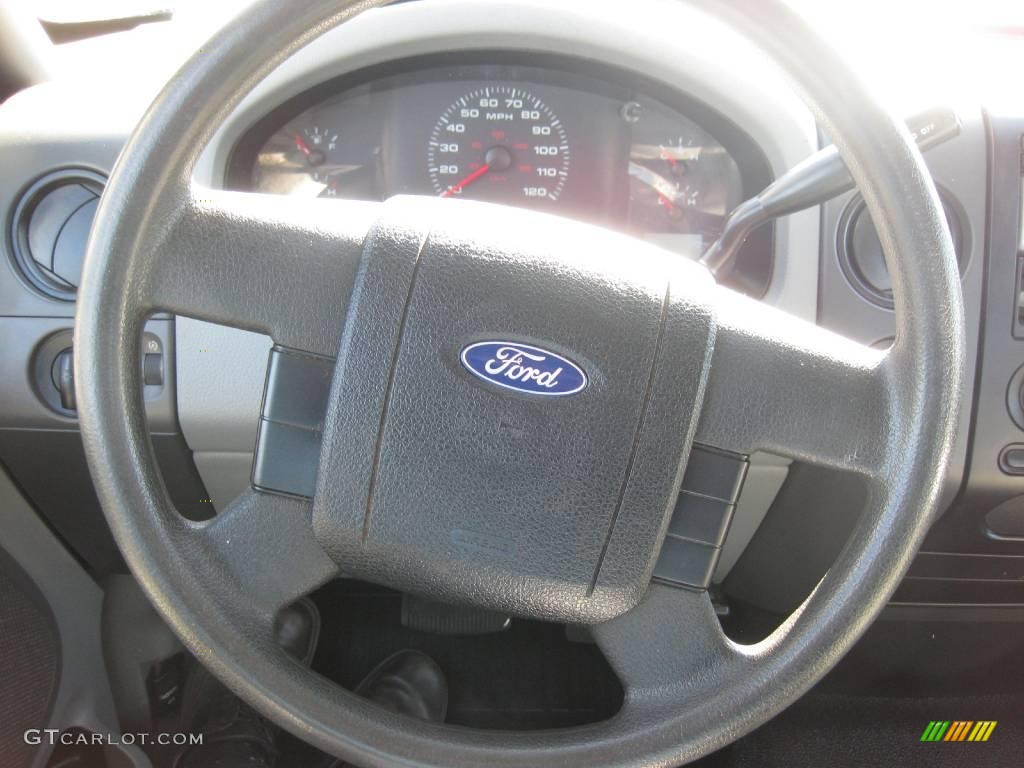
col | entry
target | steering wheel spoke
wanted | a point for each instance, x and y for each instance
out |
(784, 385)
(278, 265)
(263, 545)
(670, 640)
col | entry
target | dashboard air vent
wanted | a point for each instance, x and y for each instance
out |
(50, 228)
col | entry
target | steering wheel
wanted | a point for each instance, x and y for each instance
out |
(433, 480)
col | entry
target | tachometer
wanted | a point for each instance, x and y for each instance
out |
(501, 144)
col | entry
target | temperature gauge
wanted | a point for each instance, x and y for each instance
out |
(681, 181)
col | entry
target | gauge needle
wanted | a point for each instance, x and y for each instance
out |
(302, 146)
(468, 180)
(655, 181)
(666, 203)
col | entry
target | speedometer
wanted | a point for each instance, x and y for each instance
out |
(501, 144)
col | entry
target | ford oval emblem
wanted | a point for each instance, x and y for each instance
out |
(524, 368)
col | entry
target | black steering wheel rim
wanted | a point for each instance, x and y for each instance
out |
(666, 721)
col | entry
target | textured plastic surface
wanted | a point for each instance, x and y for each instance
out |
(435, 482)
(437, 618)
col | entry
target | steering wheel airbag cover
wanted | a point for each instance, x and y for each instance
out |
(432, 481)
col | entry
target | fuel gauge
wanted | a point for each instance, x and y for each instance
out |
(310, 161)
(314, 143)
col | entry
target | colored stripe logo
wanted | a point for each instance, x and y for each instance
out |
(958, 730)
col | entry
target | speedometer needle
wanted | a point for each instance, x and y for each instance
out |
(468, 180)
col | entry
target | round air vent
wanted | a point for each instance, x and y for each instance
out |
(860, 250)
(50, 227)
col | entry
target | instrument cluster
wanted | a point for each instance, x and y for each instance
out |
(607, 148)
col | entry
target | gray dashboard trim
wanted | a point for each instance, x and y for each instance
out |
(20, 405)
(221, 372)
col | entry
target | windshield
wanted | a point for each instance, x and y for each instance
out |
(901, 47)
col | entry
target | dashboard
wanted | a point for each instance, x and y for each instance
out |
(580, 109)
(611, 150)
(582, 114)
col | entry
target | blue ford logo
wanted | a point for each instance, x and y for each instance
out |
(523, 368)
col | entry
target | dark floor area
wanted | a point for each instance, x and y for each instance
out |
(874, 707)
(528, 676)
(870, 711)
(861, 731)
